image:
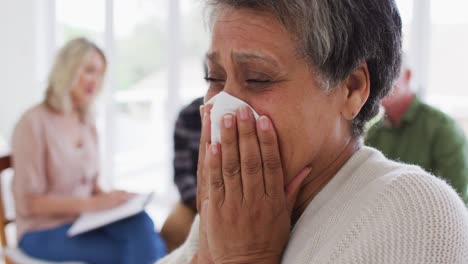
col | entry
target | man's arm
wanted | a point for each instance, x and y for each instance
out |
(450, 157)
(186, 142)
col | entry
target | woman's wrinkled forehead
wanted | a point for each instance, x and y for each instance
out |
(244, 35)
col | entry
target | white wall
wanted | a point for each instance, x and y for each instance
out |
(26, 45)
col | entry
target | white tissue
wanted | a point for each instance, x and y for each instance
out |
(224, 103)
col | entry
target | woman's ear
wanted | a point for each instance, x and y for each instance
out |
(356, 90)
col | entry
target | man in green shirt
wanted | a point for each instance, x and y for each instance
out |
(416, 133)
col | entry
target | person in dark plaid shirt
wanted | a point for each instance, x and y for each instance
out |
(186, 143)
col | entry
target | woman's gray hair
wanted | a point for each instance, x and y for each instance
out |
(64, 74)
(336, 37)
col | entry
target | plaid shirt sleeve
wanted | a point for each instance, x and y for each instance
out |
(186, 143)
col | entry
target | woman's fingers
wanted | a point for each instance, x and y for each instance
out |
(120, 196)
(230, 159)
(205, 139)
(203, 254)
(237, 230)
(272, 167)
(216, 182)
(250, 157)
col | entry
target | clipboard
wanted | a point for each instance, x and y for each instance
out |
(93, 220)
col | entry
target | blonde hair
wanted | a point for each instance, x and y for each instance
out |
(64, 74)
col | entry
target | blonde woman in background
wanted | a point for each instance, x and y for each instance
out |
(56, 164)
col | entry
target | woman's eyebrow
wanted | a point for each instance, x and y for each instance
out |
(242, 56)
(249, 56)
(213, 57)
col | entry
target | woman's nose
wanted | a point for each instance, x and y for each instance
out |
(235, 89)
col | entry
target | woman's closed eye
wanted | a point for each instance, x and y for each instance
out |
(215, 83)
(88, 70)
(214, 80)
(258, 81)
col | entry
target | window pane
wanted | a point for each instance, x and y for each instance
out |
(84, 18)
(449, 57)
(142, 158)
(195, 44)
(406, 11)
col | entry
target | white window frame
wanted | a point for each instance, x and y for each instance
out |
(419, 53)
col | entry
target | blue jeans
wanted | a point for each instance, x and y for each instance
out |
(128, 241)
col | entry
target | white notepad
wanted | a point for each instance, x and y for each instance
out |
(90, 221)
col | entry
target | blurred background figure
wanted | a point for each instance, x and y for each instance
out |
(186, 144)
(3, 146)
(187, 132)
(56, 165)
(416, 133)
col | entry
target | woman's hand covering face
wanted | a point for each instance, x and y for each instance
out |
(244, 208)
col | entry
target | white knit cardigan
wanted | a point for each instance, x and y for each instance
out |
(373, 211)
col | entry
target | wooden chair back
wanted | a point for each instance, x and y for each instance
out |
(5, 163)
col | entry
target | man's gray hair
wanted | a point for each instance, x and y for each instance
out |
(336, 37)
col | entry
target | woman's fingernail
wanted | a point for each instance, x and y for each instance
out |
(264, 123)
(201, 110)
(228, 121)
(214, 149)
(244, 114)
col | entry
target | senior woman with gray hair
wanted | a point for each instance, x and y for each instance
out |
(296, 185)
(56, 164)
